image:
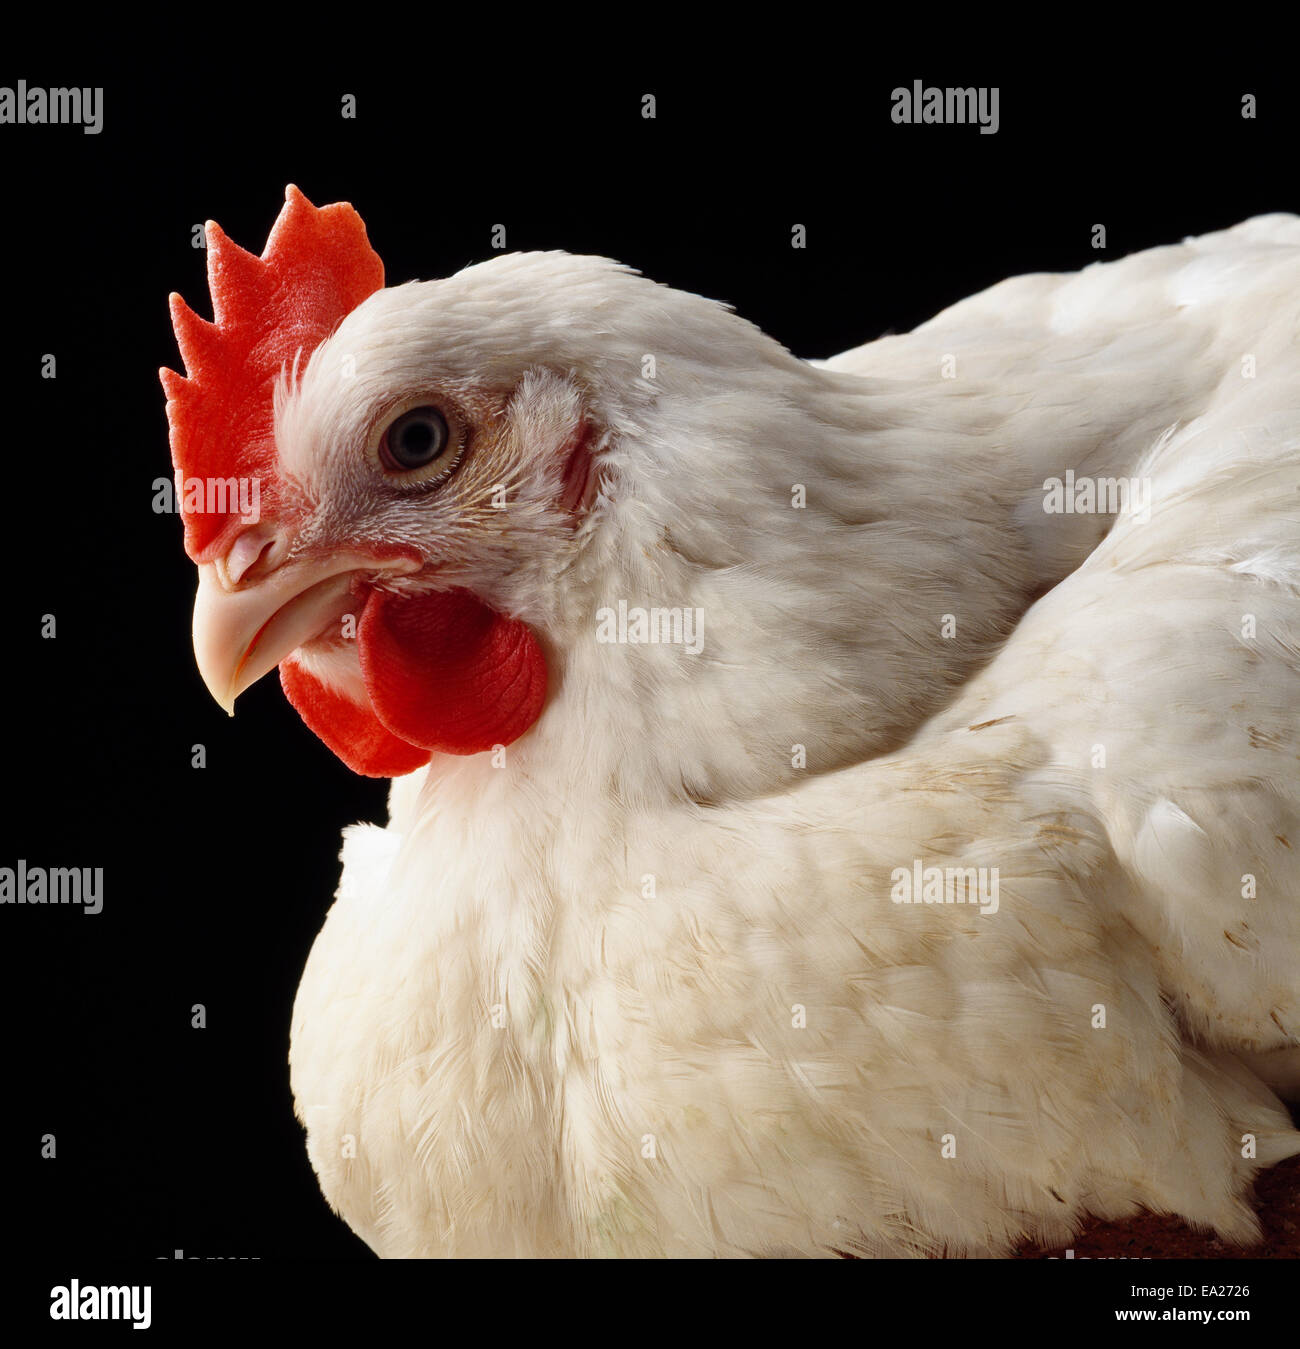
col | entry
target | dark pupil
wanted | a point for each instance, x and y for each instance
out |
(417, 441)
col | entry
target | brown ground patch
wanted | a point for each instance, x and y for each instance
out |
(1277, 1201)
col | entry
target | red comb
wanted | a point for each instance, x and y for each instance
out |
(316, 268)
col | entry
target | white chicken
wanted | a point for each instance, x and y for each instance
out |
(718, 684)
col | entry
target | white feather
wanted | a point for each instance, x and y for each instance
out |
(642, 989)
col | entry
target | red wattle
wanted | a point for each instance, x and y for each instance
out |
(445, 672)
(354, 733)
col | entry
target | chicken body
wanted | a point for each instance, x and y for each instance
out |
(640, 984)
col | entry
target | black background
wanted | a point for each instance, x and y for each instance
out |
(217, 880)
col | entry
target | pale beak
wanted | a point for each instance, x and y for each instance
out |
(240, 634)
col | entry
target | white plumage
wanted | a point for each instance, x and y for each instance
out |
(638, 986)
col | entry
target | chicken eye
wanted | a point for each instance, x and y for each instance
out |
(415, 440)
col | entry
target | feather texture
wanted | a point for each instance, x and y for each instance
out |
(641, 985)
